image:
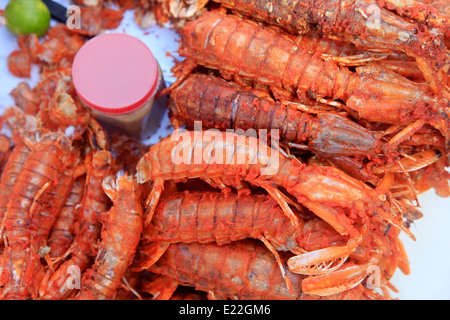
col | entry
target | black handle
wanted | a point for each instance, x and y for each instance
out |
(57, 11)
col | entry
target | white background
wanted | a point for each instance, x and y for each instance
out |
(429, 255)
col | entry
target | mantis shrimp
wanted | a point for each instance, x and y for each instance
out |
(82, 250)
(188, 217)
(368, 24)
(326, 191)
(239, 270)
(61, 235)
(225, 105)
(275, 60)
(21, 269)
(121, 232)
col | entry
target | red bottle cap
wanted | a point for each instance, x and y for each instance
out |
(115, 73)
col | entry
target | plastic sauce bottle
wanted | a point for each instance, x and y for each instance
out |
(117, 77)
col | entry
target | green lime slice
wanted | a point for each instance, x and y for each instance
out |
(27, 16)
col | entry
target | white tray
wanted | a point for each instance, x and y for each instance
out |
(429, 255)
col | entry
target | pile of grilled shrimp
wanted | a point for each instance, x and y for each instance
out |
(304, 132)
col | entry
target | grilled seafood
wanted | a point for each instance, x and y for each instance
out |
(248, 263)
(224, 105)
(188, 217)
(82, 250)
(314, 187)
(62, 233)
(121, 231)
(368, 24)
(22, 269)
(367, 104)
(273, 60)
